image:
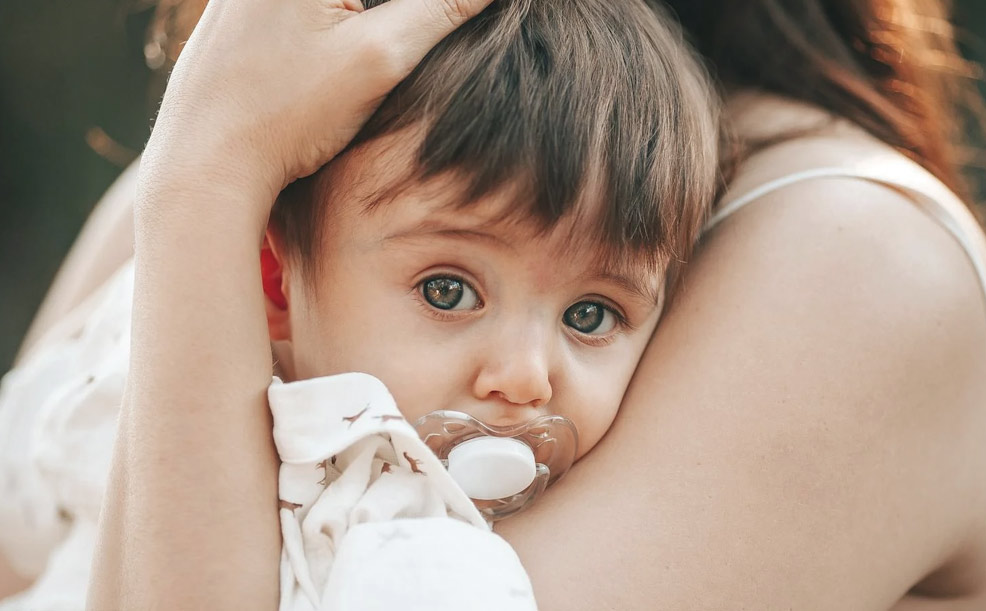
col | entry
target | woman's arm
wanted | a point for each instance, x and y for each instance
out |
(805, 431)
(263, 92)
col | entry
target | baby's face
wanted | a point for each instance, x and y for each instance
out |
(457, 310)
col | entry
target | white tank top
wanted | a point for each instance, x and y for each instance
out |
(901, 174)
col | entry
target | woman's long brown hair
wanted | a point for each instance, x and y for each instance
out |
(891, 66)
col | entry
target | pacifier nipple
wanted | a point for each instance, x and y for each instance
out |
(489, 468)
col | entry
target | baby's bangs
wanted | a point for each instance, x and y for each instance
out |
(621, 236)
(560, 101)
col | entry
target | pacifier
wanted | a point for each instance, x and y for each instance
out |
(503, 469)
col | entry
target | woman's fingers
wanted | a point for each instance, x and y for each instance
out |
(351, 5)
(270, 90)
(415, 26)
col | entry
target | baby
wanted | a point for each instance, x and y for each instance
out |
(497, 242)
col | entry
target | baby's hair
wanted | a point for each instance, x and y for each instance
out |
(594, 108)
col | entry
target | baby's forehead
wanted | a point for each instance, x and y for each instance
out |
(385, 174)
(381, 177)
(567, 251)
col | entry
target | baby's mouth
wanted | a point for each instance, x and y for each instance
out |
(503, 468)
(506, 418)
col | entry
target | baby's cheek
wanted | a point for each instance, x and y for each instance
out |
(595, 416)
(414, 394)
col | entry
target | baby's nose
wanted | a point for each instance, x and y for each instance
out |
(520, 376)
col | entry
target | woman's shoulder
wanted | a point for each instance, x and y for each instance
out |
(834, 174)
(864, 223)
(857, 247)
(871, 278)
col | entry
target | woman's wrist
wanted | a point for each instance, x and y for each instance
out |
(199, 191)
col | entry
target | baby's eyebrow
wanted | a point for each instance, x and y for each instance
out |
(640, 284)
(432, 228)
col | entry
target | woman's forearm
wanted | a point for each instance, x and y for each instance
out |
(190, 517)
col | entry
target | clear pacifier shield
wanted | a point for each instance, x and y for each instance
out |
(503, 469)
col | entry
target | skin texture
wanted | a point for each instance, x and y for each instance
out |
(505, 354)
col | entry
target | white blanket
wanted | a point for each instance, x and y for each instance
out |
(370, 518)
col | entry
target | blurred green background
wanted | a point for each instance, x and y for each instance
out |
(73, 69)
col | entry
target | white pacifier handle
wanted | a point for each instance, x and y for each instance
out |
(489, 468)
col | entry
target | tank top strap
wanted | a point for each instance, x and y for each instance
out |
(898, 173)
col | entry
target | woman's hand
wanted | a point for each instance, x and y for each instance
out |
(267, 91)
(264, 92)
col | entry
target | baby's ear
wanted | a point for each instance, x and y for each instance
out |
(272, 272)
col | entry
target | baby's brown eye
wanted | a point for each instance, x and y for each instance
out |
(447, 293)
(590, 318)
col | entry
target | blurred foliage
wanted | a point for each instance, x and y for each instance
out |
(69, 69)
